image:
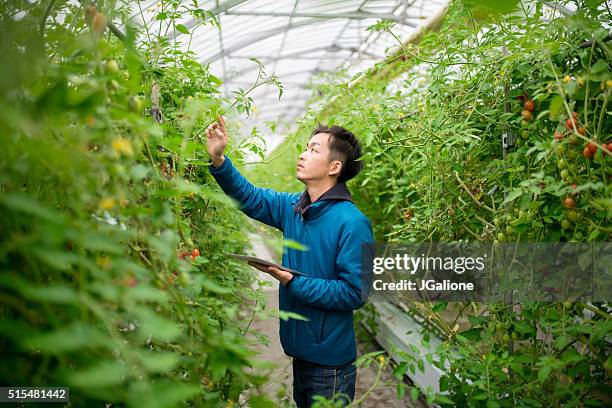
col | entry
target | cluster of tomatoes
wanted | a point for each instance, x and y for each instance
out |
(590, 148)
(193, 254)
(183, 255)
(527, 112)
(96, 20)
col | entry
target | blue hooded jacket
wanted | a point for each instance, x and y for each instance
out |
(334, 230)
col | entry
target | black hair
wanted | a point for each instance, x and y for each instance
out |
(343, 146)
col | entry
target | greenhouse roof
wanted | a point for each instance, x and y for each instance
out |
(294, 39)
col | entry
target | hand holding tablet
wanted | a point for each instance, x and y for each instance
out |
(262, 264)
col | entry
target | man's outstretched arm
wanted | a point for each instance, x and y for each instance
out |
(262, 204)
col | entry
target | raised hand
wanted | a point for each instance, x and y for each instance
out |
(217, 140)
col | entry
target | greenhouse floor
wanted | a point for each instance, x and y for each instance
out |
(279, 387)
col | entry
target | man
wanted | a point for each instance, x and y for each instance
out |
(326, 221)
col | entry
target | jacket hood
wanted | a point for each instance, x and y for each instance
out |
(303, 205)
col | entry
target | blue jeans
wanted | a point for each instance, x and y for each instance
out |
(310, 379)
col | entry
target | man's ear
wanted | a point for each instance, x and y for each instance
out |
(335, 167)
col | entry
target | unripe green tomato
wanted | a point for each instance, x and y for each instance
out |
(560, 149)
(572, 216)
(510, 230)
(135, 104)
(496, 221)
(501, 237)
(120, 169)
(112, 67)
(562, 163)
(564, 174)
(506, 338)
(183, 280)
(514, 336)
(565, 224)
(113, 85)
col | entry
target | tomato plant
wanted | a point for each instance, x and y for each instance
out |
(98, 197)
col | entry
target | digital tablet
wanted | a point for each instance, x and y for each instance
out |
(264, 263)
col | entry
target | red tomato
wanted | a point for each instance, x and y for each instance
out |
(527, 116)
(581, 130)
(99, 23)
(586, 153)
(569, 123)
(195, 253)
(569, 202)
(529, 105)
(558, 135)
(592, 147)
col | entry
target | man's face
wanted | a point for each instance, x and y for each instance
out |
(314, 163)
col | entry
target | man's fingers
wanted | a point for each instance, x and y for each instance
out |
(219, 133)
(222, 122)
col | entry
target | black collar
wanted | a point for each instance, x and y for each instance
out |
(337, 192)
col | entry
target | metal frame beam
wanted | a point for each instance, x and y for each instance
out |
(287, 75)
(259, 37)
(299, 54)
(355, 15)
(223, 7)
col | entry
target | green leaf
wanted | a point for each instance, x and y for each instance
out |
(55, 259)
(99, 243)
(144, 293)
(161, 394)
(555, 107)
(289, 243)
(212, 286)
(260, 401)
(544, 373)
(400, 389)
(71, 338)
(283, 315)
(155, 326)
(414, 394)
(181, 28)
(515, 193)
(159, 362)
(599, 66)
(21, 203)
(100, 375)
(443, 400)
(51, 294)
(139, 171)
(439, 307)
